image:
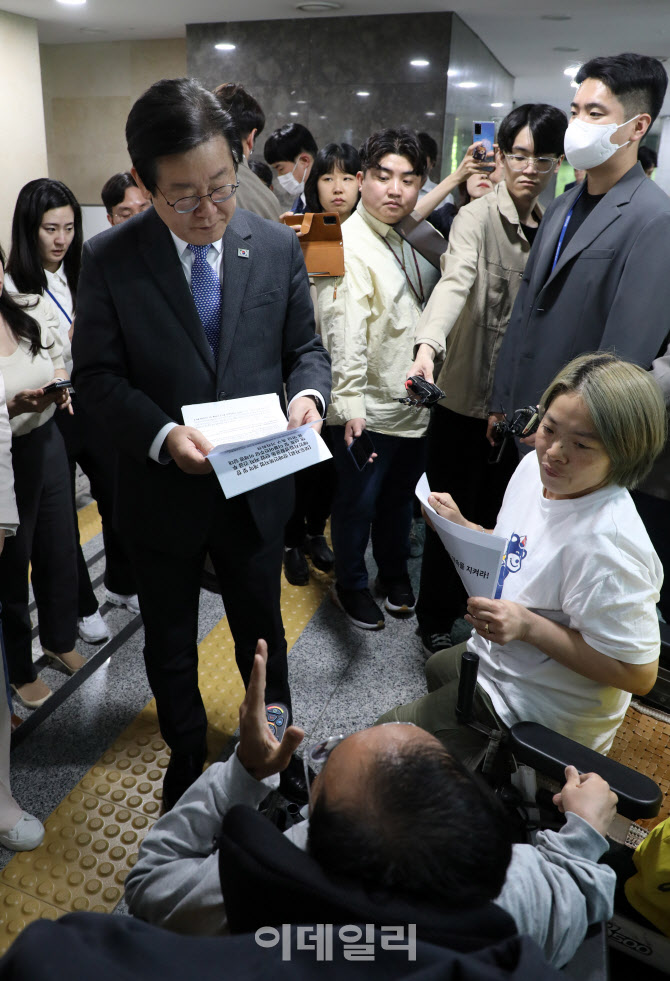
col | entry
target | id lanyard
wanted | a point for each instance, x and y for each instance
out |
(565, 227)
(60, 307)
(419, 294)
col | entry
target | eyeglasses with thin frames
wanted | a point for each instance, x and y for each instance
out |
(519, 162)
(184, 206)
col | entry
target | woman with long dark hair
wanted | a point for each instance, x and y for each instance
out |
(45, 259)
(332, 186)
(31, 359)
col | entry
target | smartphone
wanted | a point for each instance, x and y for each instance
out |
(58, 384)
(484, 132)
(361, 450)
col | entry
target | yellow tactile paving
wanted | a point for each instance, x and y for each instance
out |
(93, 836)
(90, 524)
(17, 910)
(130, 774)
(83, 861)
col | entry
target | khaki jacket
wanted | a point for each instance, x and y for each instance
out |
(467, 315)
(367, 321)
(254, 195)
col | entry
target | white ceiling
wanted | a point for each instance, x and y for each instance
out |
(514, 30)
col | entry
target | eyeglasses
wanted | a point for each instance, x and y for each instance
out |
(183, 206)
(542, 165)
(316, 754)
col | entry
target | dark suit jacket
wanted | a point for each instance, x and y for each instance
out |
(140, 353)
(610, 290)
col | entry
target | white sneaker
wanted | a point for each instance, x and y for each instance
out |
(26, 834)
(131, 603)
(93, 629)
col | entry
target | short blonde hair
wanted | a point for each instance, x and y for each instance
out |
(627, 409)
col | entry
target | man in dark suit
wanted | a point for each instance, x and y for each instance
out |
(189, 303)
(597, 274)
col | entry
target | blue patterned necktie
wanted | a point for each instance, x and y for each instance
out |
(206, 290)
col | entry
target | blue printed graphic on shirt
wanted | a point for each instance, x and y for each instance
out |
(512, 559)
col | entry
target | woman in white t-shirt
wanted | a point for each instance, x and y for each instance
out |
(573, 630)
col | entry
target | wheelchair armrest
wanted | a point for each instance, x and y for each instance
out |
(549, 753)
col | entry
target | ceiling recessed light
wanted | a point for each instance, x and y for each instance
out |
(453, 72)
(362, 93)
(497, 105)
(431, 114)
(563, 47)
(555, 17)
(419, 63)
(467, 85)
(225, 46)
(301, 102)
(323, 117)
(571, 70)
(318, 6)
(293, 114)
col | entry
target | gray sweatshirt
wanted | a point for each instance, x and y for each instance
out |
(553, 889)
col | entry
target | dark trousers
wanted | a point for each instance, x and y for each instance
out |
(45, 538)
(98, 459)
(314, 489)
(655, 513)
(168, 587)
(458, 455)
(375, 500)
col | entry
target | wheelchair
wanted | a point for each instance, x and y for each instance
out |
(526, 766)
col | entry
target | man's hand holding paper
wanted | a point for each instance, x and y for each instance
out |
(304, 410)
(248, 440)
(189, 448)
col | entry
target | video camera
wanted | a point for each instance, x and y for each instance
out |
(524, 422)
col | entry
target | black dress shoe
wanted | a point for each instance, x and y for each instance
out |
(292, 783)
(182, 771)
(321, 555)
(296, 569)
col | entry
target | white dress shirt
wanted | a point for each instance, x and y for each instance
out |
(157, 451)
(57, 286)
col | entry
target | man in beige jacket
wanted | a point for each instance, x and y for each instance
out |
(462, 329)
(368, 319)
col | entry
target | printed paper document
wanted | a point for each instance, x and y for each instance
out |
(252, 445)
(476, 555)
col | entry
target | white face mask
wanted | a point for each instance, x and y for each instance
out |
(588, 145)
(290, 184)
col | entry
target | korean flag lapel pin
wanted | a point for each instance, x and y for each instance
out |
(243, 253)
